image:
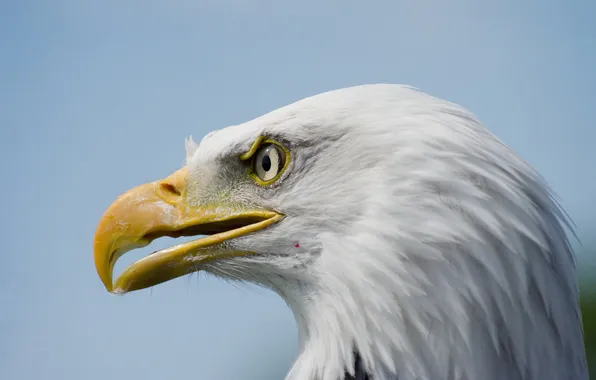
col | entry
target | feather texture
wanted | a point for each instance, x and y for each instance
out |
(426, 244)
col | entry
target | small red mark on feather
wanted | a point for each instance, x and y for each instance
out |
(296, 245)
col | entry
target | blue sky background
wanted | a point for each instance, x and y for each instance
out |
(98, 96)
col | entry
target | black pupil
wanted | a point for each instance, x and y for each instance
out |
(266, 163)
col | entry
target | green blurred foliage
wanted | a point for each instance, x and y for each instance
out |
(588, 305)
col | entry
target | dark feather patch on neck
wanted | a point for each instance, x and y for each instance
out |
(359, 370)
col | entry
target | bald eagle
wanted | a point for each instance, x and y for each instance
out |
(409, 242)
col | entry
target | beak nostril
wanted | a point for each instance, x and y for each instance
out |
(170, 189)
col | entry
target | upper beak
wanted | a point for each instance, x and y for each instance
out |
(161, 209)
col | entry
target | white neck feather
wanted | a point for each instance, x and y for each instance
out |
(404, 332)
(493, 297)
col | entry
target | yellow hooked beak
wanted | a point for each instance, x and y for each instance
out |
(160, 209)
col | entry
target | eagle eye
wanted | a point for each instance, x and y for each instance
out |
(268, 160)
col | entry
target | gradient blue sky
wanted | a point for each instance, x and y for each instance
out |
(98, 96)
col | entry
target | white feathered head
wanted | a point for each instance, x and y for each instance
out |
(409, 242)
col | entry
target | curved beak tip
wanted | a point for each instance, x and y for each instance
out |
(104, 274)
(103, 254)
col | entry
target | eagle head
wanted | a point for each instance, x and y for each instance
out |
(409, 242)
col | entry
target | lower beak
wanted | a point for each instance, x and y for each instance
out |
(161, 208)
